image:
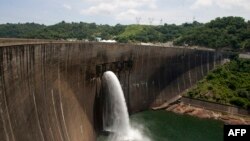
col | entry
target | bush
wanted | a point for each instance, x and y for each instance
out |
(191, 94)
(209, 87)
(238, 101)
(210, 76)
(231, 86)
(243, 93)
(122, 39)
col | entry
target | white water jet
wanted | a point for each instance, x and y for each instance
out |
(115, 115)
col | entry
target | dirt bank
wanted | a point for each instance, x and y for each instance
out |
(181, 108)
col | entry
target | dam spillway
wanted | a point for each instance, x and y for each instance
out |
(51, 90)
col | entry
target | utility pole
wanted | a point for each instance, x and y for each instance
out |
(150, 20)
(193, 18)
(138, 20)
(161, 22)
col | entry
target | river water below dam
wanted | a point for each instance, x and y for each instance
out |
(167, 126)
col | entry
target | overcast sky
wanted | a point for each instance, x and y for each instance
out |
(120, 11)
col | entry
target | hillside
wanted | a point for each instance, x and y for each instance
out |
(232, 32)
(141, 33)
(20, 30)
(226, 32)
(228, 84)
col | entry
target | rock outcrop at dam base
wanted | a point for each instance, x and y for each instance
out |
(52, 91)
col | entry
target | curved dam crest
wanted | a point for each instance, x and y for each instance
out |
(51, 91)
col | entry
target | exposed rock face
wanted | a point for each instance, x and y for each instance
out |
(52, 91)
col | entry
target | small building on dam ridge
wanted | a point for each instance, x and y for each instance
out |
(52, 90)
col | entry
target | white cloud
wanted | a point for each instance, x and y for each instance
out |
(117, 7)
(123, 11)
(202, 3)
(127, 14)
(224, 4)
(67, 6)
(232, 3)
(170, 11)
(101, 8)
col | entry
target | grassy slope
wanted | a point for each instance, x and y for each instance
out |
(228, 84)
(132, 30)
(144, 33)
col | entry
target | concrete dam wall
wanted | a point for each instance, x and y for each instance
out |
(52, 91)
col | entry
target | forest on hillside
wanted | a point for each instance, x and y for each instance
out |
(226, 32)
(228, 84)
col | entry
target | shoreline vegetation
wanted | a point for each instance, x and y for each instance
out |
(228, 84)
(228, 33)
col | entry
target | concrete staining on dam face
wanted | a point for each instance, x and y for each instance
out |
(52, 91)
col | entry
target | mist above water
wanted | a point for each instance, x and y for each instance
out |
(115, 114)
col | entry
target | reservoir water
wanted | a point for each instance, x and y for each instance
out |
(168, 126)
